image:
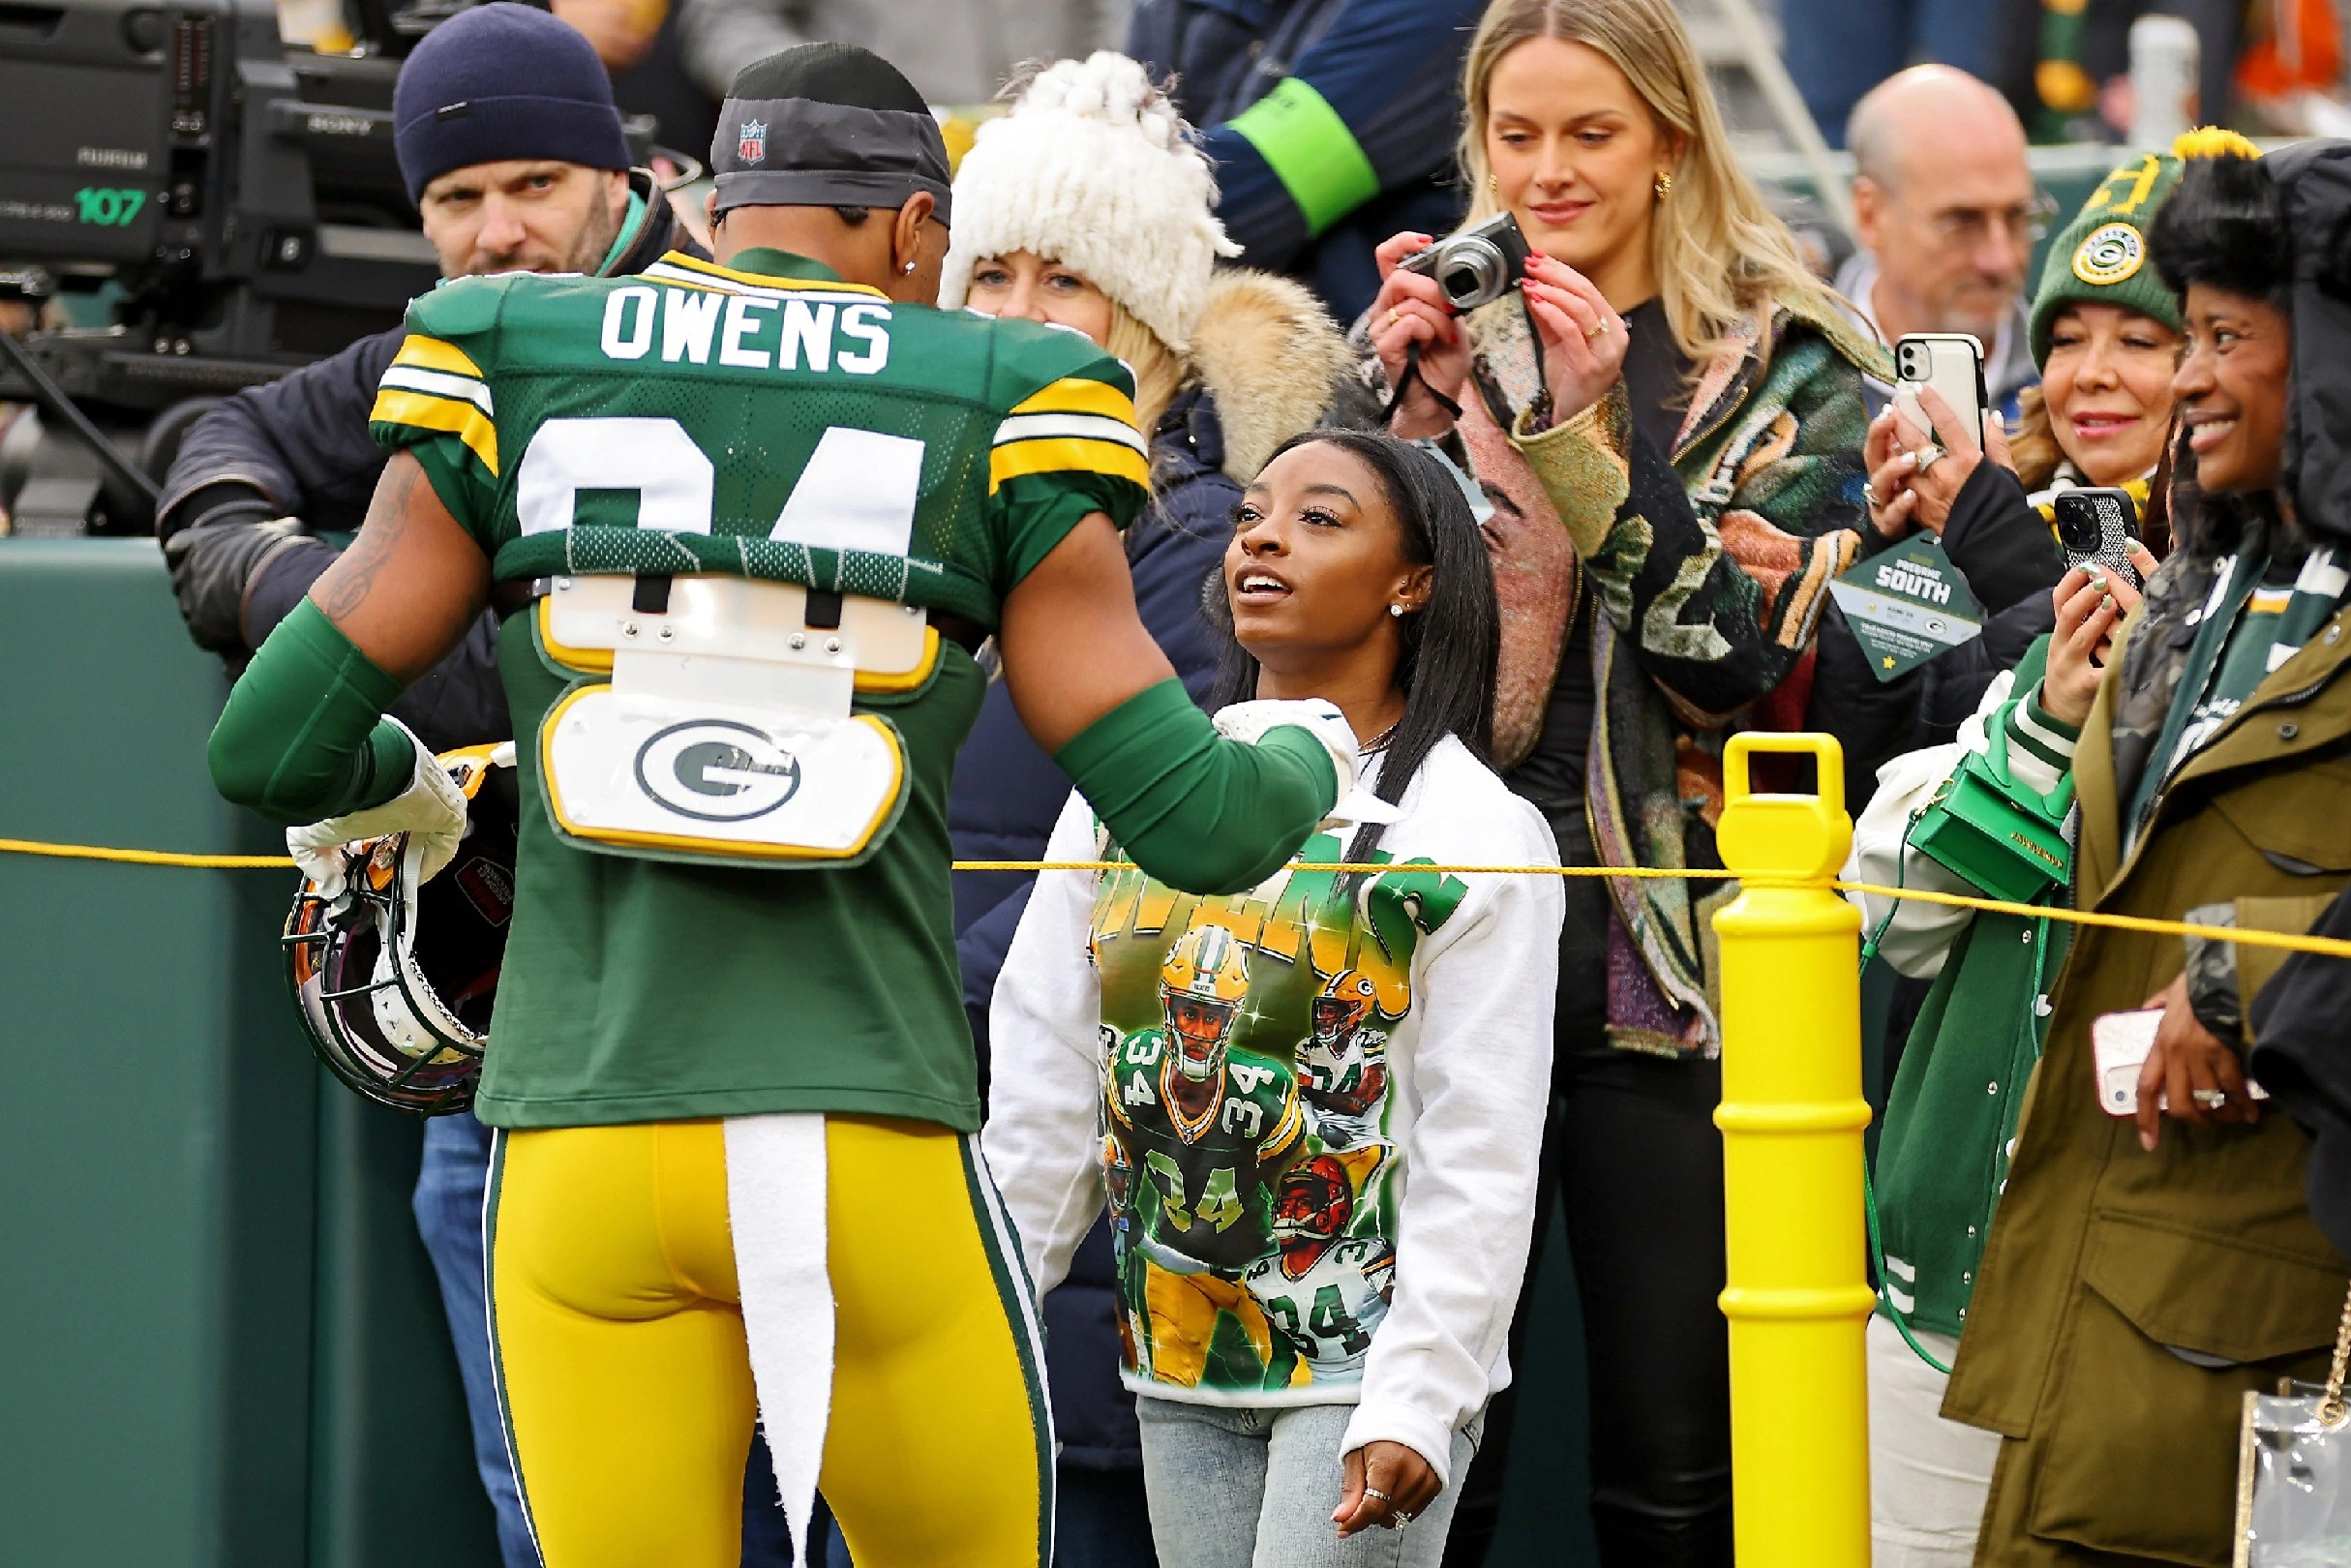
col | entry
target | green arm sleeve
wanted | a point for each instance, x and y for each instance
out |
(301, 738)
(1199, 812)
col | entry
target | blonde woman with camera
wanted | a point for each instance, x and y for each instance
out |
(1664, 409)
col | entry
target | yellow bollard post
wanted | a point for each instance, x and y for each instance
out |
(1792, 1118)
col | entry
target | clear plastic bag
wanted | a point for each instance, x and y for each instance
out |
(2294, 1473)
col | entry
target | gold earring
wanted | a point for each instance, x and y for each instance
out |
(1665, 184)
(1493, 187)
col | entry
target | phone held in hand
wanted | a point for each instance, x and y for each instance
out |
(2118, 1043)
(2095, 527)
(1952, 364)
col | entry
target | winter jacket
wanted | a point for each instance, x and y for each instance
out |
(2302, 1056)
(1331, 123)
(1265, 356)
(1708, 570)
(2129, 1299)
(2003, 545)
(260, 477)
(1942, 1158)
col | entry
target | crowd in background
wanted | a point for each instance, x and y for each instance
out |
(1670, 436)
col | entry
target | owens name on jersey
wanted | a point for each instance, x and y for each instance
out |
(629, 425)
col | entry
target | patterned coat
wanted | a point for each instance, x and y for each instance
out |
(1710, 569)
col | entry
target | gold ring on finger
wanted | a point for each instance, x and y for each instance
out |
(1394, 315)
(1598, 329)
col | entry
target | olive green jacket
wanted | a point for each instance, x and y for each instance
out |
(2126, 1299)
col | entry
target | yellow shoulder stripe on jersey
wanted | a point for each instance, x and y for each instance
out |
(1067, 454)
(430, 353)
(1076, 394)
(672, 280)
(679, 258)
(422, 411)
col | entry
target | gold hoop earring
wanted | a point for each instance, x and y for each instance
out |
(1665, 184)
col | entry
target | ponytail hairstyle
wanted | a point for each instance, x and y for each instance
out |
(1451, 644)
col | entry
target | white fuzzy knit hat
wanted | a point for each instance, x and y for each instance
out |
(1092, 168)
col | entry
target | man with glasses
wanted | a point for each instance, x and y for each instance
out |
(1948, 215)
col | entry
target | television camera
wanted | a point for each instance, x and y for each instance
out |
(228, 206)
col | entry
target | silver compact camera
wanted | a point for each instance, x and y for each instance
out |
(1476, 267)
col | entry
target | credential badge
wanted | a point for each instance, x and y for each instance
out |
(2112, 252)
(751, 141)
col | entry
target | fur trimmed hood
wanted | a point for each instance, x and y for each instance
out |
(1270, 355)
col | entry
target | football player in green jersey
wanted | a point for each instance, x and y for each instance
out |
(754, 518)
(1208, 1127)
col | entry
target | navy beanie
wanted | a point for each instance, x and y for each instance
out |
(502, 81)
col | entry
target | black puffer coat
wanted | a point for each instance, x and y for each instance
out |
(299, 449)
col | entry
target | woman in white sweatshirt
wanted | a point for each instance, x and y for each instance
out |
(1314, 1108)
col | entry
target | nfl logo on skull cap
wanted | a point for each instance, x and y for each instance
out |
(751, 141)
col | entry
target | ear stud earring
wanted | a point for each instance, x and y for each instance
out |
(1397, 610)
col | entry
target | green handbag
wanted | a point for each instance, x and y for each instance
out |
(2005, 839)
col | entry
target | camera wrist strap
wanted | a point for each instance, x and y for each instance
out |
(1403, 389)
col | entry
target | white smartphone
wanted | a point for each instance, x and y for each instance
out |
(1952, 364)
(2118, 1043)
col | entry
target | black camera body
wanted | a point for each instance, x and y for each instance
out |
(1476, 267)
(231, 206)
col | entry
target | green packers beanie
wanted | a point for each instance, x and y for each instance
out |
(2100, 257)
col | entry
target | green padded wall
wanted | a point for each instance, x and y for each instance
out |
(220, 1342)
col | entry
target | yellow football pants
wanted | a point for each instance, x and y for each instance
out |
(619, 1336)
(1184, 1311)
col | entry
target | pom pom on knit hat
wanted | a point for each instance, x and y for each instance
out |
(1094, 169)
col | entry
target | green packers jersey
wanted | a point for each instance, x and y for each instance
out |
(1204, 1169)
(776, 424)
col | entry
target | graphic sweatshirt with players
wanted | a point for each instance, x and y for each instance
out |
(1313, 1109)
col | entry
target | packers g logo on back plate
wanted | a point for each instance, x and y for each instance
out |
(679, 778)
(2110, 254)
(716, 771)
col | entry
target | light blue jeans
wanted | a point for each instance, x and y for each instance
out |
(1255, 1488)
(448, 1208)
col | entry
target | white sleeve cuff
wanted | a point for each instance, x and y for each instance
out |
(1390, 1420)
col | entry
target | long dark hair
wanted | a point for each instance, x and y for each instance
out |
(1446, 669)
(2224, 226)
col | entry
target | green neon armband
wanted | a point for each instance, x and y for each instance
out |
(300, 739)
(1196, 811)
(1310, 151)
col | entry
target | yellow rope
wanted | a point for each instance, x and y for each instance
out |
(139, 857)
(2290, 941)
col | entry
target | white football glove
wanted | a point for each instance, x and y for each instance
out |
(431, 811)
(1249, 722)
